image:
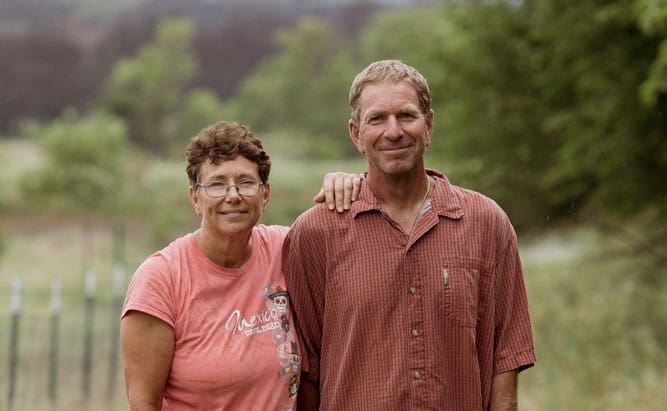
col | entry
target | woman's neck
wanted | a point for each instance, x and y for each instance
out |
(225, 251)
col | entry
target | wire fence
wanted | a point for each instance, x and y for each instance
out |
(59, 344)
(67, 358)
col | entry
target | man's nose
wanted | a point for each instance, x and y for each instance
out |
(393, 129)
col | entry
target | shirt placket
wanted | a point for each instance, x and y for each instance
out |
(415, 329)
(414, 276)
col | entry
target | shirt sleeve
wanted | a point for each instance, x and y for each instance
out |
(150, 290)
(514, 349)
(304, 268)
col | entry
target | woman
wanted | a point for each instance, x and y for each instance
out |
(206, 322)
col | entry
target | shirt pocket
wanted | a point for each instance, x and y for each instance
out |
(459, 293)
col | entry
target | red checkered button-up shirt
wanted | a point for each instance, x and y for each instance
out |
(391, 321)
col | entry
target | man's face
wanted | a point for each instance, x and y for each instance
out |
(233, 213)
(392, 130)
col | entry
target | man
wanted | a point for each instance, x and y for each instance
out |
(415, 298)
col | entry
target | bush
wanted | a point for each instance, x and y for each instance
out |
(83, 170)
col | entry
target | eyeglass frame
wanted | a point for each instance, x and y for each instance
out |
(229, 186)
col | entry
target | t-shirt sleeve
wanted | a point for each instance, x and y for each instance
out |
(513, 331)
(151, 290)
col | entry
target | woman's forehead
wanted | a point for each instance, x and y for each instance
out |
(238, 166)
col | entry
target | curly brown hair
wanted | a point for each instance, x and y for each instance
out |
(224, 141)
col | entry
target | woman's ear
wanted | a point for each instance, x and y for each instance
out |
(194, 200)
(266, 195)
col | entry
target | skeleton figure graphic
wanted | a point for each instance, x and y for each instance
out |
(284, 323)
(279, 301)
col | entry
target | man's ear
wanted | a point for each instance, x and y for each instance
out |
(353, 129)
(429, 127)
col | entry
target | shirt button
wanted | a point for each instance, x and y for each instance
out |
(415, 332)
(418, 375)
(413, 290)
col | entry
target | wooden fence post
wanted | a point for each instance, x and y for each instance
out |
(88, 324)
(56, 306)
(15, 305)
(118, 286)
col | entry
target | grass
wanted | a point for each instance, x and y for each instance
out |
(593, 351)
(596, 349)
(40, 251)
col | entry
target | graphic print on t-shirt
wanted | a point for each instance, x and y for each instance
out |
(277, 300)
(276, 321)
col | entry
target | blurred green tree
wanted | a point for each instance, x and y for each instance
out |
(612, 155)
(83, 170)
(485, 111)
(294, 90)
(652, 16)
(149, 88)
(200, 108)
(555, 108)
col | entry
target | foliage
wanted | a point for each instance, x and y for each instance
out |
(165, 205)
(480, 95)
(547, 121)
(393, 35)
(148, 88)
(68, 47)
(83, 171)
(610, 155)
(294, 90)
(200, 108)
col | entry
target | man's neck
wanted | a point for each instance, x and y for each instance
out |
(398, 192)
(402, 200)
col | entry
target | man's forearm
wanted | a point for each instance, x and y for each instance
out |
(504, 392)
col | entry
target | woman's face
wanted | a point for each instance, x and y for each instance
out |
(233, 213)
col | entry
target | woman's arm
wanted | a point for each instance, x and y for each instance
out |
(148, 346)
(339, 190)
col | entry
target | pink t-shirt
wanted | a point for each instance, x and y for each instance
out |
(235, 348)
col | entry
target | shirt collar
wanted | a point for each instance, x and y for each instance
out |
(444, 200)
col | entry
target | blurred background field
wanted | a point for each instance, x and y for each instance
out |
(557, 109)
